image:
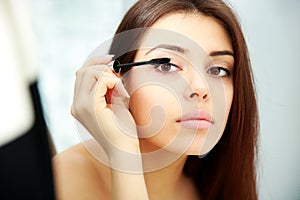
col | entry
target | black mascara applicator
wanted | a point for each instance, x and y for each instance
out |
(117, 66)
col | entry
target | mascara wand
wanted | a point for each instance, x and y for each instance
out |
(117, 66)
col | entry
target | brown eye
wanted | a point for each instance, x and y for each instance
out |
(165, 67)
(168, 67)
(219, 71)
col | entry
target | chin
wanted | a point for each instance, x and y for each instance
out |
(198, 148)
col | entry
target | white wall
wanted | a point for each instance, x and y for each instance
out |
(68, 30)
(272, 29)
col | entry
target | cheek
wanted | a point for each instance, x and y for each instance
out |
(150, 103)
(155, 111)
(229, 92)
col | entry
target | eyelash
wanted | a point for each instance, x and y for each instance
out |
(169, 65)
(221, 70)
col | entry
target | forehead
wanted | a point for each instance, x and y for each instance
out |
(205, 31)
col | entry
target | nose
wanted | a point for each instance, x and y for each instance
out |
(198, 88)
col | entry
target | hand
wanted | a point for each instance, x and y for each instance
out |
(100, 105)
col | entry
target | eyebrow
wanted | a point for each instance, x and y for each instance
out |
(183, 50)
(221, 53)
(168, 47)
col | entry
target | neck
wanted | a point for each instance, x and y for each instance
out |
(169, 179)
(166, 181)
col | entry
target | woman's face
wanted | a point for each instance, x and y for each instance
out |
(180, 103)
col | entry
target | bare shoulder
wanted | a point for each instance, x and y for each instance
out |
(79, 176)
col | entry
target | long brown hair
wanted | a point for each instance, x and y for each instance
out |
(228, 171)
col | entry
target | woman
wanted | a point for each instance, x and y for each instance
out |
(227, 171)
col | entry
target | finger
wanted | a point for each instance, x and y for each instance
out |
(98, 60)
(88, 77)
(120, 90)
(103, 90)
(85, 82)
(85, 86)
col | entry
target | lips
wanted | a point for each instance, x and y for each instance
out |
(199, 120)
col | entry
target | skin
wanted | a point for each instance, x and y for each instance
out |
(79, 176)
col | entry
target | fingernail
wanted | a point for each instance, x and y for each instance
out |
(104, 59)
(109, 56)
(120, 89)
(111, 63)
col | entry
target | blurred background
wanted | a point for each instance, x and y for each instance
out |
(67, 31)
